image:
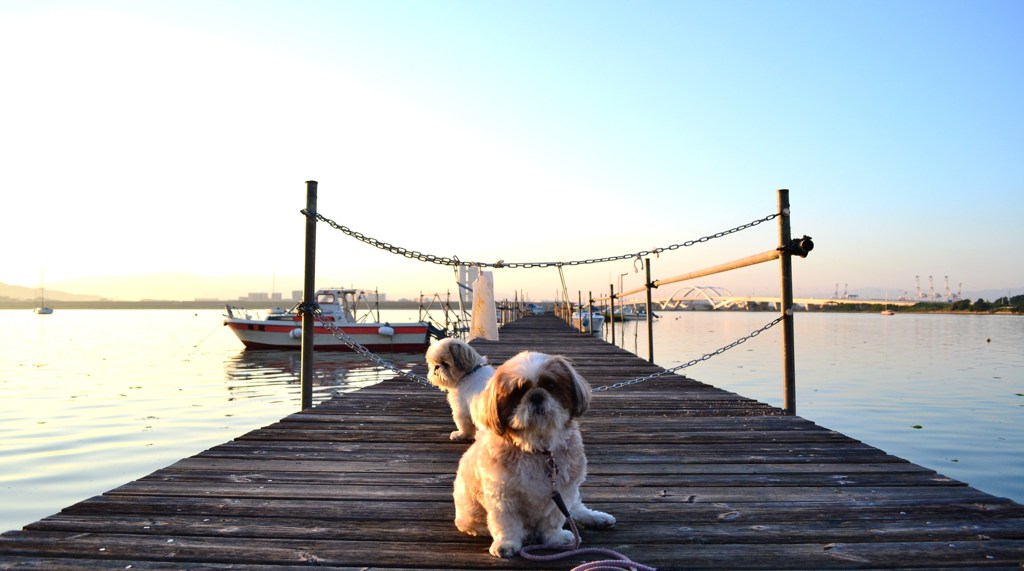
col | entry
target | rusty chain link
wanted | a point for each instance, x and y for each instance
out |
(700, 359)
(454, 260)
(356, 347)
(361, 350)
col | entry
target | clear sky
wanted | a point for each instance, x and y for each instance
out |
(175, 137)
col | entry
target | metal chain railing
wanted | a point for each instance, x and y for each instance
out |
(356, 347)
(380, 361)
(454, 260)
(700, 359)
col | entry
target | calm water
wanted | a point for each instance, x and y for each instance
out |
(95, 399)
(943, 391)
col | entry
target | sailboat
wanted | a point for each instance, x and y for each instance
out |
(885, 309)
(42, 309)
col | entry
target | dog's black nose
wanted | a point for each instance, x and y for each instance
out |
(536, 399)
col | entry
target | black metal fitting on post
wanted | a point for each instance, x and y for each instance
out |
(800, 246)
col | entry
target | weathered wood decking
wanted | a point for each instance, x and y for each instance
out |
(697, 477)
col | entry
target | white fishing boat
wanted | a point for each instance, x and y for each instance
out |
(630, 313)
(588, 320)
(280, 329)
(621, 314)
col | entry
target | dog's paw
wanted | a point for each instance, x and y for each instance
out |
(559, 537)
(505, 549)
(596, 519)
(469, 528)
(458, 436)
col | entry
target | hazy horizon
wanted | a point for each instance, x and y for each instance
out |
(169, 287)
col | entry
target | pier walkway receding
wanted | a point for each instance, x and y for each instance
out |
(698, 478)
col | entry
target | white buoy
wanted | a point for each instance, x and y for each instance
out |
(386, 330)
(295, 333)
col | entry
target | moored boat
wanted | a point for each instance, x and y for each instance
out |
(281, 329)
(42, 308)
(629, 313)
(589, 320)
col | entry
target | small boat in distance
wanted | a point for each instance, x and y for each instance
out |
(281, 329)
(588, 320)
(42, 308)
(623, 313)
(630, 313)
(885, 309)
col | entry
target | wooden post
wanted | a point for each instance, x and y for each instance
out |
(308, 291)
(786, 305)
(611, 309)
(650, 313)
(590, 312)
(579, 320)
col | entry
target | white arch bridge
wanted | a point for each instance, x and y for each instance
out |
(717, 297)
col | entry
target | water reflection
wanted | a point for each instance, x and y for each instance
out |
(249, 374)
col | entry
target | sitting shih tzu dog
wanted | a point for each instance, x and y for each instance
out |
(457, 369)
(527, 448)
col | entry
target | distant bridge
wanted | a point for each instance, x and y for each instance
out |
(721, 298)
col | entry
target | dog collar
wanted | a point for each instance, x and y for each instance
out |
(475, 369)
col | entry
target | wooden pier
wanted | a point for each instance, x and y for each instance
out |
(698, 478)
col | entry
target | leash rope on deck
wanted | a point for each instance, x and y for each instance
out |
(619, 562)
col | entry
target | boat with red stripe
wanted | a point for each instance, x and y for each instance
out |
(281, 329)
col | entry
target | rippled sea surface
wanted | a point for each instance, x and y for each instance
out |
(93, 399)
(943, 391)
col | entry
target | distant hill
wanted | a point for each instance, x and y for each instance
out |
(21, 293)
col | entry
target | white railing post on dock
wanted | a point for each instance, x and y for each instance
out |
(786, 305)
(308, 291)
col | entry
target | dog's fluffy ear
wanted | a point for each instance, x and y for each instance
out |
(580, 389)
(499, 400)
(487, 405)
(464, 357)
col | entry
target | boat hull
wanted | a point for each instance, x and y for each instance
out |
(584, 323)
(259, 334)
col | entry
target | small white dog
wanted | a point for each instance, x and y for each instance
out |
(457, 369)
(528, 447)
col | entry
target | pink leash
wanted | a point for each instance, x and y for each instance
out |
(619, 563)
